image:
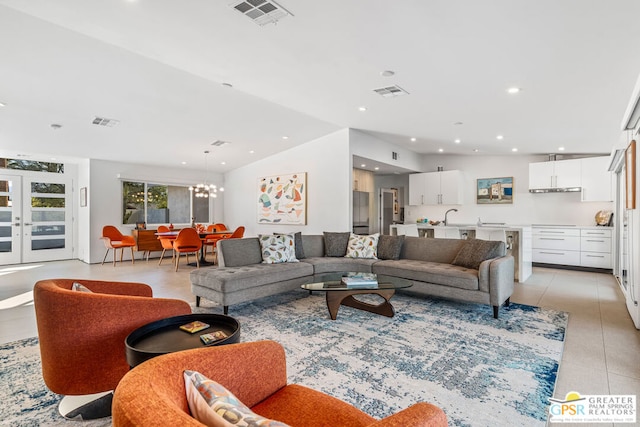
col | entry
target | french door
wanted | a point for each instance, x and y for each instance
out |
(35, 218)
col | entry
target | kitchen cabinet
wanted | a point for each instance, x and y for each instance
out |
(576, 246)
(596, 181)
(555, 174)
(436, 188)
(595, 248)
(556, 245)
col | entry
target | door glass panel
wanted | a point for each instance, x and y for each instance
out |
(5, 246)
(5, 231)
(47, 202)
(38, 245)
(5, 216)
(47, 216)
(47, 230)
(47, 188)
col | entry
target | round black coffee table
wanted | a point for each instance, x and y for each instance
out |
(165, 336)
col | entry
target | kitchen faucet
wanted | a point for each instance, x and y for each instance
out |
(447, 213)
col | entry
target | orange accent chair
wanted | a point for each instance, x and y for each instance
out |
(82, 334)
(188, 241)
(114, 239)
(154, 394)
(166, 242)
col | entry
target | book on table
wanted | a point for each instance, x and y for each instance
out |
(195, 326)
(360, 281)
(213, 337)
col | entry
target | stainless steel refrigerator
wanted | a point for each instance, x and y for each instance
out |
(360, 212)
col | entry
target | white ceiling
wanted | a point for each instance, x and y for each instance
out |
(158, 67)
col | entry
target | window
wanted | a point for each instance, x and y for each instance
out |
(31, 165)
(156, 203)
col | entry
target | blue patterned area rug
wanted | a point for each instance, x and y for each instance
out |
(26, 401)
(479, 370)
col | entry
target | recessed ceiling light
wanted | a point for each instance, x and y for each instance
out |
(251, 152)
(223, 163)
(285, 137)
(500, 137)
(458, 141)
(513, 90)
(387, 73)
(363, 165)
(2, 104)
(362, 108)
(514, 149)
(560, 148)
(184, 163)
(457, 123)
(413, 140)
(475, 150)
(377, 168)
(441, 149)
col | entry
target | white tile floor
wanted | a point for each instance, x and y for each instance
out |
(602, 347)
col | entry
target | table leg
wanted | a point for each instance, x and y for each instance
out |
(337, 298)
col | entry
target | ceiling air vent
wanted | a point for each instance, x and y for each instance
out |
(391, 91)
(219, 143)
(101, 121)
(261, 12)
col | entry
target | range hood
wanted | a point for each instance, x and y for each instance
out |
(556, 190)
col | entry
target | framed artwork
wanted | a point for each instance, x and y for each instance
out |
(396, 205)
(282, 199)
(630, 175)
(494, 191)
(83, 196)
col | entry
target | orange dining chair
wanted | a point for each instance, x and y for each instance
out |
(166, 242)
(188, 241)
(114, 239)
(211, 240)
(238, 233)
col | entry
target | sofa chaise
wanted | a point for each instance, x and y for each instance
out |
(468, 270)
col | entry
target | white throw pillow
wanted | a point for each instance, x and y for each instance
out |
(363, 246)
(278, 248)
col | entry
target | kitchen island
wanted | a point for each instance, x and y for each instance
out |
(519, 242)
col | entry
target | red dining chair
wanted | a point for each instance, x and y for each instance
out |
(166, 242)
(188, 241)
(114, 239)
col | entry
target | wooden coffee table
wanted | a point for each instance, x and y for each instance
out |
(338, 294)
(165, 336)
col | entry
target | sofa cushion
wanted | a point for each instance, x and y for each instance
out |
(237, 252)
(363, 246)
(277, 248)
(232, 279)
(215, 406)
(299, 246)
(323, 265)
(389, 247)
(432, 250)
(430, 272)
(335, 244)
(474, 251)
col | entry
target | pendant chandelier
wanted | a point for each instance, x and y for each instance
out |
(205, 189)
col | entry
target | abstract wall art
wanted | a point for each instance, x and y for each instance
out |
(282, 199)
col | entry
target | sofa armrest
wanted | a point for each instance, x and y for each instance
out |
(420, 414)
(501, 274)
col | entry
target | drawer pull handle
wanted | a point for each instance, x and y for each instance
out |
(552, 253)
(595, 256)
(550, 238)
(600, 241)
(552, 232)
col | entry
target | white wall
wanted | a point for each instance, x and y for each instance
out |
(370, 147)
(105, 198)
(326, 161)
(527, 208)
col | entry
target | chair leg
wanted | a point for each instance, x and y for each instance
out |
(162, 256)
(133, 258)
(105, 256)
(197, 260)
(177, 260)
(114, 256)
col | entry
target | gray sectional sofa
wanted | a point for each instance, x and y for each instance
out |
(437, 267)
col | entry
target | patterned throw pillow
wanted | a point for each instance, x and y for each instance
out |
(297, 237)
(277, 248)
(363, 246)
(213, 405)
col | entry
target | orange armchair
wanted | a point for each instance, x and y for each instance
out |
(188, 241)
(114, 239)
(153, 393)
(82, 334)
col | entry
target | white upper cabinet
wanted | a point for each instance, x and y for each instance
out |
(436, 188)
(597, 181)
(555, 174)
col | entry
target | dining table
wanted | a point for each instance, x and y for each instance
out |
(203, 236)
